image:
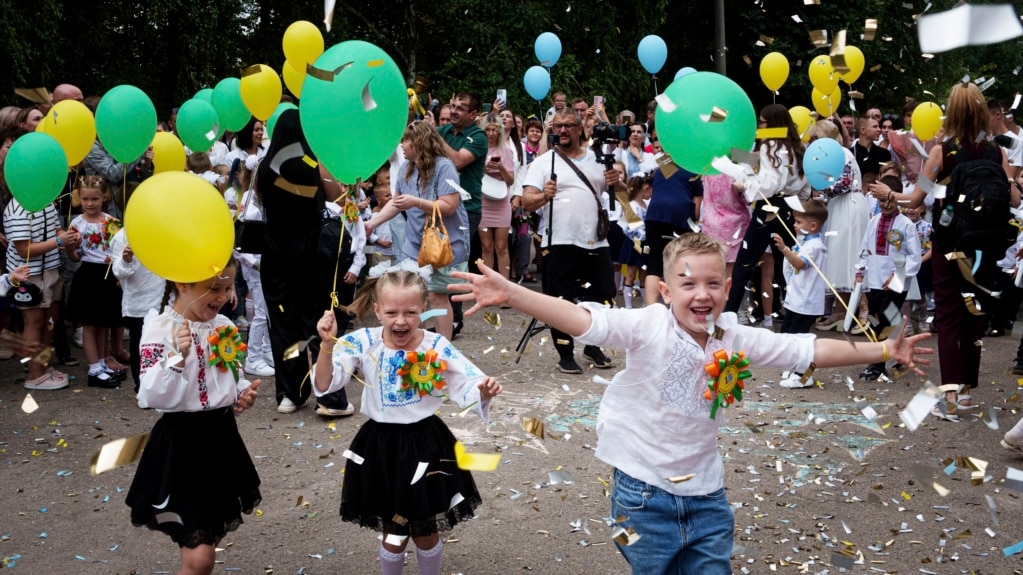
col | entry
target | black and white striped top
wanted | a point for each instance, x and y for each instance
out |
(20, 225)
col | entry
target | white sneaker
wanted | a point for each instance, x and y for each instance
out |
(269, 359)
(286, 406)
(331, 412)
(794, 382)
(259, 368)
(77, 337)
(50, 380)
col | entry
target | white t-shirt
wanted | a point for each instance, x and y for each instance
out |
(1015, 153)
(575, 208)
(806, 289)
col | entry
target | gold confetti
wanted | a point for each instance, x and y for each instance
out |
(716, 115)
(625, 536)
(119, 452)
(534, 426)
(869, 29)
(769, 133)
(766, 39)
(475, 461)
(682, 478)
(492, 318)
(259, 513)
(875, 68)
(855, 94)
(748, 60)
(838, 53)
(819, 38)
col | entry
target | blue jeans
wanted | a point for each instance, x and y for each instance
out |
(679, 534)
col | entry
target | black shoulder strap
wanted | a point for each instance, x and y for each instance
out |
(579, 173)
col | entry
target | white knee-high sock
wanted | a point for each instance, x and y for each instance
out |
(391, 563)
(627, 296)
(429, 560)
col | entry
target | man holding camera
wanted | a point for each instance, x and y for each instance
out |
(569, 184)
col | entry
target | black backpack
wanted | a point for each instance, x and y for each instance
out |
(976, 217)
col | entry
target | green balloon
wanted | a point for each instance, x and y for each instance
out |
(227, 101)
(272, 120)
(685, 132)
(35, 170)
(366, 90)
(125, 122)
(206, 95)
(198, 125)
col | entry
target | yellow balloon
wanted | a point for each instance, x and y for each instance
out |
(168, 153)
(41, 126)
(179, 227)
(74, 128)
(261, 91)
(826, 104)
(774, 70)
(293, 78)
(803, 120)
(855, 61)
(926, 120)
(303, 43)
(822, 75)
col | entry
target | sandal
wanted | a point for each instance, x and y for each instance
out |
(965, 402)
(946, 414)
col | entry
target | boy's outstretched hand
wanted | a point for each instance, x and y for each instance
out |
(904, 350)
(487, 287)
(489, 387)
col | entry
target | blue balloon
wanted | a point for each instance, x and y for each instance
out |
(652, 53)
(823, 163)
(538, 82)
(684, 72)
(548, 50)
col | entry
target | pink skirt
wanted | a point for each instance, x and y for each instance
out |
(496, 213)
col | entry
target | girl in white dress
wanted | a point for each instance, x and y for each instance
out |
(195, 478)
(402, 477)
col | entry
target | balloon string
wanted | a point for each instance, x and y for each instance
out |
(866, 329)
(28, 250)
(655, 85)
(71, 189)
(337, 265)
(124, 189)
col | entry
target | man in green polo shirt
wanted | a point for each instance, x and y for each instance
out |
(466, 146)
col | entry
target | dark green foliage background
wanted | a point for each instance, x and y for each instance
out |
(173, 48)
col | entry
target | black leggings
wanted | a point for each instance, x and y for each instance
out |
(755, 243)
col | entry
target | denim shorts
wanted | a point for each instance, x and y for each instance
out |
(679, 534)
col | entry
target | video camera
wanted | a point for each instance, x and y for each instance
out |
(603, 134)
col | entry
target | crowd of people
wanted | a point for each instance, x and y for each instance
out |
(605, 222)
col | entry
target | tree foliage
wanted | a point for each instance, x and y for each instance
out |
(173, 48)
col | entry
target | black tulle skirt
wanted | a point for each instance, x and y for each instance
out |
(379, 493)
(195, 478)
(95, 296)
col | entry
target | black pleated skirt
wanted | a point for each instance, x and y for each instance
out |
(379, 493)
(195, 478)
(95, 296)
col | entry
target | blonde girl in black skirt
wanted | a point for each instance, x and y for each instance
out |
(95, 296)
(195, 478)
(402, 478)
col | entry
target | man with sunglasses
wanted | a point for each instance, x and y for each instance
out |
(577, 264)
(466, 146)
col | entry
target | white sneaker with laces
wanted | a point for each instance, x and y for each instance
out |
(286, 406)
(794, 382)
(259, 368)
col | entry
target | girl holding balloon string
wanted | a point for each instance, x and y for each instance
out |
(195, 477)
(401, 477)
(95, 296)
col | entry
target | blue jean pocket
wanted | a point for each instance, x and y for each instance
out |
(629, 494)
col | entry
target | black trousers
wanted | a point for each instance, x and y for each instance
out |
(797, 322)
(575, 274)
(296, 297)
(134, 326)
(878, 303)
(755, 243)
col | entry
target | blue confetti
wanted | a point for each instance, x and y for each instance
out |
(114, 548)
(1013, 549)
(64, 473)
(106, 499)
(301, 424)
(330, 551)
(432, 314)
(300, 571)
(79, 557)
(119, 489)
(43, 509)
